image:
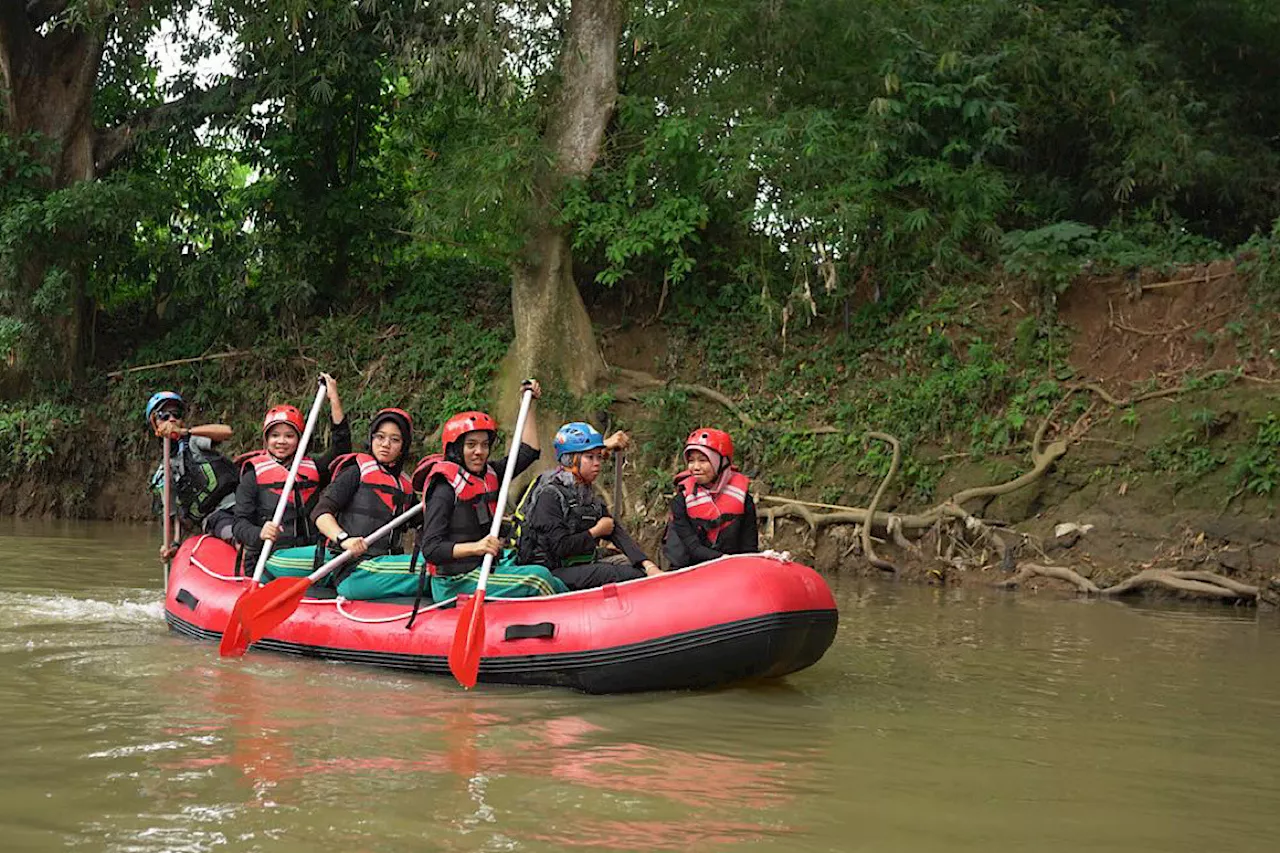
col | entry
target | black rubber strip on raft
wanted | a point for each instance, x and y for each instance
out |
(765, 646)
(540, 631)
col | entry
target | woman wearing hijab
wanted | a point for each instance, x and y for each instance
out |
(367, 491)
(712, 513)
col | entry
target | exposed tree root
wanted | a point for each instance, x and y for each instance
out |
(1198, 584)
(1034, 570)
(647, 380)
(867, 548)
(953, 535)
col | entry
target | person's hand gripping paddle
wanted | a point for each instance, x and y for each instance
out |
(263, 608)
(468, 638)
(231, 634)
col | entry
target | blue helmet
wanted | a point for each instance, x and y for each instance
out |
(577, 437)
(160, 398)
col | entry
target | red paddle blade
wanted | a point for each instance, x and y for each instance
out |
(468, 641)
(234, 641)
(268, 606)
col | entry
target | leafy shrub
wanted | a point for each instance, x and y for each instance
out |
(1257, 470)
(31, 434)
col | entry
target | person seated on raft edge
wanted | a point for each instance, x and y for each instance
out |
(367, 491)
(565, 516)
(712, 513)
(263, 473)
(202, 480)
(461, 496)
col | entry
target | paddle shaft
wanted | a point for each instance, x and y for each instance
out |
(287, 491)
(495, 526)
(617, 484)
(168, 508)
(372, 537)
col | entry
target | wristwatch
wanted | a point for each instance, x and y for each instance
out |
(342, 537)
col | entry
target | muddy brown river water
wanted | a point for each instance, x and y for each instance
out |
(940, 720)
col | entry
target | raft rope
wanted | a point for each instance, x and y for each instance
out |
(381, 619)
(208, 571)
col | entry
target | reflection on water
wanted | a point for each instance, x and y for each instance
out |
(941, 720)
(364, 743)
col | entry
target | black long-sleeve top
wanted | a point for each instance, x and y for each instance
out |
(557, 536)
(437, 545)
(685, 546)
(252, 514)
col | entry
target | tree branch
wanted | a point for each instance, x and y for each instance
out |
(113, 143)
(41, 12)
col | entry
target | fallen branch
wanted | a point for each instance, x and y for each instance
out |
(1178, 282)
(1112, 400)
(116, 374)
(1157, 333)
(1204, 279)
(782, 500)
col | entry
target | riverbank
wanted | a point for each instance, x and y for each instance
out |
(1144, 414)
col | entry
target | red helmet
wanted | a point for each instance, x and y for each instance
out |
(282, 415)
(716, 440)
(464, 422)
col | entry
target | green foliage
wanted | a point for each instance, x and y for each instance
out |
(31, 434)
(1188, 452)
(1260, 264)
(1257, 469)
(811, 184)
(1051, 257)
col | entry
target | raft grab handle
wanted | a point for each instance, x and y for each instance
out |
(541, 630)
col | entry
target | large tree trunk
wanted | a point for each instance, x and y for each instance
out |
(554, 337)
(48, 83)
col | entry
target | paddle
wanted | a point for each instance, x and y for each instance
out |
(230, 634)
(168, 512)
(617, 484)
(468, 637)
(262, 609)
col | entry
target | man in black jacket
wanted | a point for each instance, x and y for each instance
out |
(565, 518)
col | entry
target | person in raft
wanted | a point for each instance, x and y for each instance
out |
(263, 472)
(712, 513)
(460, 493)
(202, 480)
(367, 491)
(565, 518)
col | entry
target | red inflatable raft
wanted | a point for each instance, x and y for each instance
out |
(747, 616)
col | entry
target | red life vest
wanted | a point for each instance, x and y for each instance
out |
(712, 511)
(476, 501)
(270, 474)
(380, 498)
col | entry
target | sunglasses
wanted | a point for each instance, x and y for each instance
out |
(167, 415)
